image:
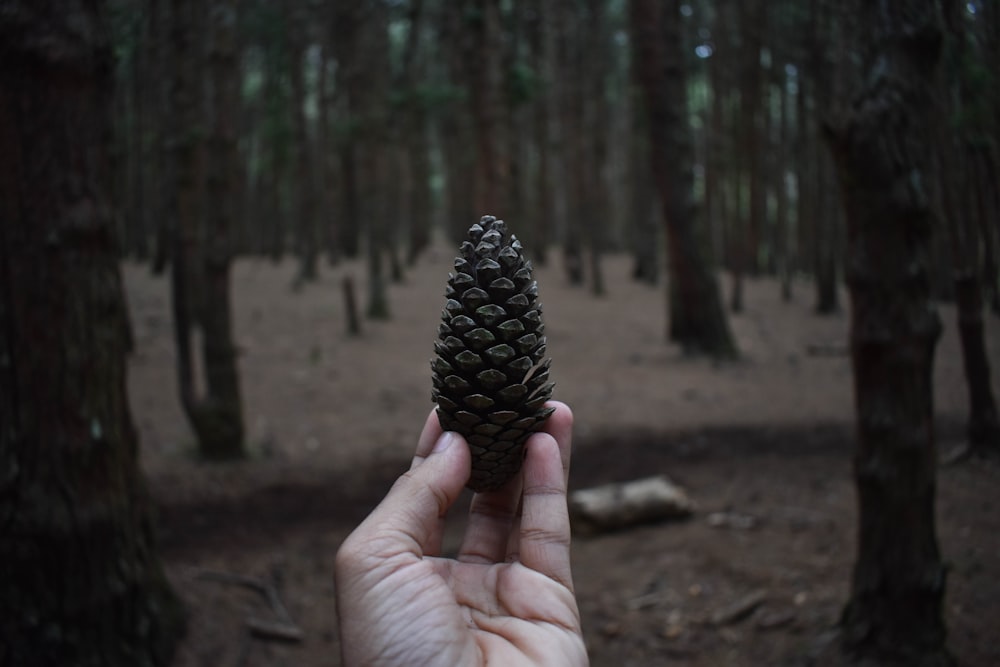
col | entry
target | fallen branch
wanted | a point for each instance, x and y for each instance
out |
(278, 630)
(284, 629)
(616, 506)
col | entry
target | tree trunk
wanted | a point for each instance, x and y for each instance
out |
(596, 197)
(753, 18)
(737, 227)
(376, 151)
(983, 427)
(827, 44)
(415, 204)
(894, 614)
(540, 218)
(201, 273)
(783, 232)
(642, 227)
(697, 319)
(489, 110)
(82, 583)
(326, 191)
(346, 26)
(826, 222)
(162, 190)
(985, 177)
(963, 197)
(805, 166)
(221, 372)
(303, 193)
(716, 144)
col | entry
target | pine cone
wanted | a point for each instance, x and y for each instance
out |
(490, 375)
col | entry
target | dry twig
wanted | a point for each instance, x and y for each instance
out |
(284, 629)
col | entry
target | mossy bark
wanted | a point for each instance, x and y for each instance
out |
(81, 583)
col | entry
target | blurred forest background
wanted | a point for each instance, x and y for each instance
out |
(735, 209)
(321, 130)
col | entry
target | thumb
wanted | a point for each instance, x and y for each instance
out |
(411, 515)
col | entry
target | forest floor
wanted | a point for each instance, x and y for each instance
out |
(763, 445)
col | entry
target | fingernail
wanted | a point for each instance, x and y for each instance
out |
(444, 442)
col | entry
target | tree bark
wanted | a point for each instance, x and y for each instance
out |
(697, 319)
(82, 583)
(894, 614)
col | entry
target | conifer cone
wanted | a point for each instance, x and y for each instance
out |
(490, 372)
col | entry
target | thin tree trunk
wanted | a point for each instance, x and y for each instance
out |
(962, 201)
(985, 177)
(303, 193)
(201, 272)
(983, 426)
(419, 163)
(825, 236)
(458, 141)
(82, 582)
(783, 230)
(697, 319)
(222, 402)
(572, 104)
(715, 144)
(326, 197)
(540, 223)
(827, 42)
(489, 111)
(595, 193)
(376, 152)
(415, 204)
(894, 614)
(752, 112)
(805, 181)
(164, 200)
(346, 37)
(643, 227)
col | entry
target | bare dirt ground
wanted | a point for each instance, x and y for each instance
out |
(331, 420)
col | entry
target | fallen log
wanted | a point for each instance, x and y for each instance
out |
(623, 504)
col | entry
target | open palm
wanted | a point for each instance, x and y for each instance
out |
(506, 599)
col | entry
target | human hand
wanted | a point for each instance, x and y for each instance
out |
(507, 599)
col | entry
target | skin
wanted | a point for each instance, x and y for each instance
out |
(506, 599)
